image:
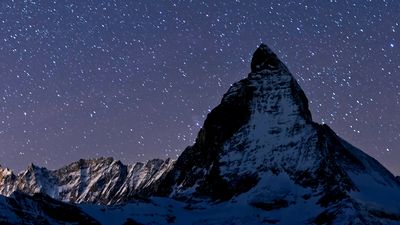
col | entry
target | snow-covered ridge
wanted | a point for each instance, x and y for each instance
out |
(262, 131)
(258, 159)
(101, 181)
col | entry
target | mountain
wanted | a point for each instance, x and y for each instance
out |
(262, 132)
(20, 208)
(100, 181)
(258, 159)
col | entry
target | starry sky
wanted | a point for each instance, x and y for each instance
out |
(135, 79)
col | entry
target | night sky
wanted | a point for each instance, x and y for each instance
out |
(135, 79)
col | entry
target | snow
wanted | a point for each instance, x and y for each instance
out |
(377, 187)
(6, 214)
(375, 195)
(164, 211)
(274, 114)
(278, 142)
(90, 180)
(237, 211)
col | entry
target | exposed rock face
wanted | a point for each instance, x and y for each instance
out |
(265, 59)
(258, 154)
(101, 181)
(263, 128)
(262, 124)
(270, 92)
(6, 178)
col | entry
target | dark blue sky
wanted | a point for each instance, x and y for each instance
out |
(135, 79)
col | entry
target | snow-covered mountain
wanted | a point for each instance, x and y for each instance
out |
(261, 144)
(21, 208)
(258, 159)
(100, 181)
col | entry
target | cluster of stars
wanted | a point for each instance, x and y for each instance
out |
(136, 79)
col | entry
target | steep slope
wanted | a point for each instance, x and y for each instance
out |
(263, 129)
(258, 159)
(20, 208)
(101, 181)
(254, 112)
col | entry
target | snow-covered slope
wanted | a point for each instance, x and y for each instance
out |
(20, 208)
(258, 159)
(101, 181)
(262, 131)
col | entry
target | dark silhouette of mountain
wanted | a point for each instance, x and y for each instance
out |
(21, 208)
(258, 159)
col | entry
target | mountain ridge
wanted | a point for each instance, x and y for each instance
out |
(20, 208)
(258, 152)
(101, 181)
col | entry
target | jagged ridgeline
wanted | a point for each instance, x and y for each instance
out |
(258, 159)
(100, 181)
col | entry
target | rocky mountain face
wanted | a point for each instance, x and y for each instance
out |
(265, 113)
(263, 128)
(258, 159)
(100, 181)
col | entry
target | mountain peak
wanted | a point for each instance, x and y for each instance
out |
(259, 148)
(261, 130)
(235, 139)
(264, 58)
(32, 168)
(5, 171)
